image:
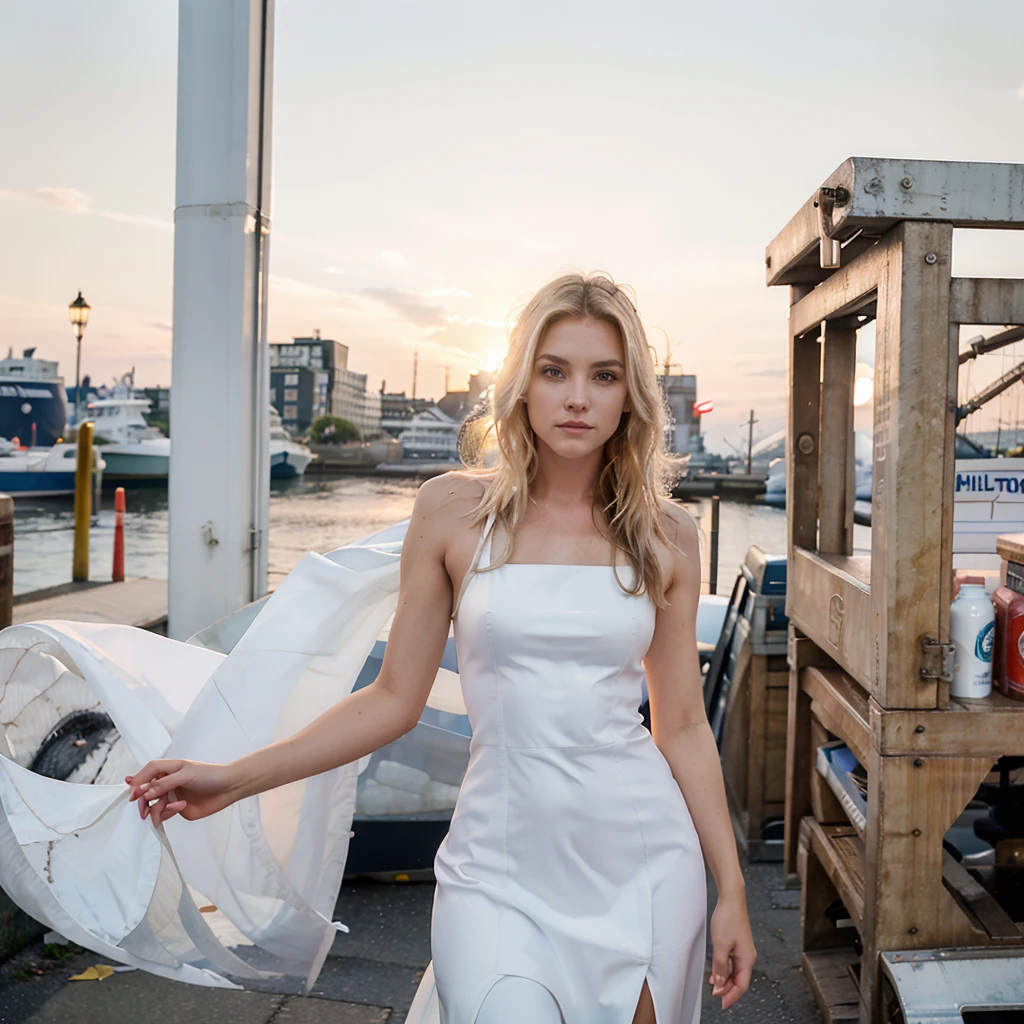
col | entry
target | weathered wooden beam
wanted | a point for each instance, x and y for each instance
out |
(829, 599)
(912, 802)
(868, 195)
(990, 727)
(803, 421)
(848, 290)
(912, 505)
(986, 300)
(836, 468)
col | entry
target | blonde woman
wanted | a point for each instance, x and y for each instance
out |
(570, 886)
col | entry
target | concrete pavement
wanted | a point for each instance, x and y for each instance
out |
(372, 972)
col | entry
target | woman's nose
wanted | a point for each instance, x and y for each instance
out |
(577, 397)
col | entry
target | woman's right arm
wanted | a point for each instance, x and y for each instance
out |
(363, 721)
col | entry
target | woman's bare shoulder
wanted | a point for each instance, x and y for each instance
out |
(681, 540)
(678, 526)
(451, 493)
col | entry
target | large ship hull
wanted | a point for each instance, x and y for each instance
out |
(33, 411)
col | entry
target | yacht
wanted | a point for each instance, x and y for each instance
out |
(431, 435)
(33, 409)
(288, 458)
(131, 448)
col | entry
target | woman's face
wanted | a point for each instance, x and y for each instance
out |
(577, 391)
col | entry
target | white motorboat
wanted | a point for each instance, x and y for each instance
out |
(40, 472)
(131, 448)
(288, 457)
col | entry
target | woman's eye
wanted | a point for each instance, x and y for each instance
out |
(607, 375)
(553, 370)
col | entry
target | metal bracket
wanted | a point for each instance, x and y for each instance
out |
(937, 661)
(829, 248)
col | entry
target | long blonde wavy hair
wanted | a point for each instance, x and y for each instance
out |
(636, 471)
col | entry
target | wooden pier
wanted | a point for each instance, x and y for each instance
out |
(728, 486)
(137, 601)
(870, 659)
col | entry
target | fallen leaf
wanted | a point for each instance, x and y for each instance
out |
(95, 973)
(208, 909)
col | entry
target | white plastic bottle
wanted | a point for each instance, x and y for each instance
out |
(972, 630)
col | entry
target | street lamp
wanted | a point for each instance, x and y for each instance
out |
(79, 313)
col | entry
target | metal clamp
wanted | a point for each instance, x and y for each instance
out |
(937, 661)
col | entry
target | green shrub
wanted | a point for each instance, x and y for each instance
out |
(333, 430)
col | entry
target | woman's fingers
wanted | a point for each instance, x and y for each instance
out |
(145, 776)
(720, 968)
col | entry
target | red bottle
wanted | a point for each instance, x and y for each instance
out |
(1008, 653)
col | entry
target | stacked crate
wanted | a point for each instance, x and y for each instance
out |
(870, 658)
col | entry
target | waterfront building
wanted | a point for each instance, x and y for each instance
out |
(680, 390)
(360, 406)
(309, 378)
(398, 409)
(299, 395)
(323, 386)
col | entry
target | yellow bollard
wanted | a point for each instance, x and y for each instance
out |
(83, 503)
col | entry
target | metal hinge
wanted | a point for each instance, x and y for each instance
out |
(936, 661)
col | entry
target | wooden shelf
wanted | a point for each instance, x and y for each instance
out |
(840, 851)
(830, 975)
(990, 727)
(840, 705)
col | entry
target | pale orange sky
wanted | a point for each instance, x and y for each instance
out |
(434, 163)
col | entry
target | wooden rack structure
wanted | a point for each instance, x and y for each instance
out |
(869, 654)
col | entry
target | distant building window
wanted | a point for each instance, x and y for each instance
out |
(291, 380)
(273, 396)
(291, 394)
(291, 412)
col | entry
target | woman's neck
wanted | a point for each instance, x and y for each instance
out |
(561, 481)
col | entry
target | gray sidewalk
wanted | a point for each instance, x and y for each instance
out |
(371, 973)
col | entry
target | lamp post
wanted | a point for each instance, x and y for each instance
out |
(79, 313)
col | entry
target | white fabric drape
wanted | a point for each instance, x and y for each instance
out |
(78, 857)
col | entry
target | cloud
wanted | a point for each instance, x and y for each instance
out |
(333, 270)
(413, 306)
(139, 220)
(450, 290)
(71, 200)
(456, 319)
(393, 259)
(160, 325)
(314, 292)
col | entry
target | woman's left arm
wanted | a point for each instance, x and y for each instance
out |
(681, 731)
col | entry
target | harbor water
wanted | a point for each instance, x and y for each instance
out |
(306, 514)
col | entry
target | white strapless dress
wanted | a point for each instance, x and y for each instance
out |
(571, 859)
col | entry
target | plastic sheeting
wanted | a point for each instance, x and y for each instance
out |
(76, 855)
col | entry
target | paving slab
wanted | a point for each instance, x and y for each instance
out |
(137, 601)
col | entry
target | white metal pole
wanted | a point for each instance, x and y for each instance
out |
(220, 474)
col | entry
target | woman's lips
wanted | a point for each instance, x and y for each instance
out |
(576, 429)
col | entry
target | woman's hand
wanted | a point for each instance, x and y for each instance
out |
(192, 789)
(732, 950)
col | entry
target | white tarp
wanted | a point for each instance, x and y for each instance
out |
(78, 857)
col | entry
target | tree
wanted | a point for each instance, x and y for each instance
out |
(332, 430)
